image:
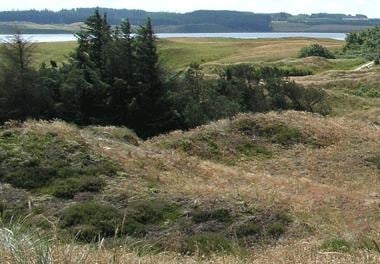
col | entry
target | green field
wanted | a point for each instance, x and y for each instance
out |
(33, 28)
(275, 187)
(177, 53)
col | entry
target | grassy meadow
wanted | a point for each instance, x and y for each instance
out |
(277, 187)
(33, 28)
(178, 53)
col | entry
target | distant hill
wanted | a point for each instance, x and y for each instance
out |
(321, 22)
(197, 21)
(207, 21)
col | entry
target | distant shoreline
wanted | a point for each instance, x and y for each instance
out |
(240, 35)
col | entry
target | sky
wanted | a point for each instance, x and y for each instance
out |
(370, 8)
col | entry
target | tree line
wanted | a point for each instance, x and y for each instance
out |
(114, 78)
(364, 43)
(225, 21)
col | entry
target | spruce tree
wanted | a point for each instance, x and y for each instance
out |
(21, 96)
(94, 38)
(150, 108)
(120, 74)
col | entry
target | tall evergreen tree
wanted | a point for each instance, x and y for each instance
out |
(120, 73)
(146, 55)
(94, 39)
(151, 109)
(20, 94)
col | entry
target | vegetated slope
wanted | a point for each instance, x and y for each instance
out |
(178, 53)
(288, 183)
(352, 93)
(197, 21)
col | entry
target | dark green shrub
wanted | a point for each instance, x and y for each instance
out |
(250, 149)
(38, 162)
(281, 134)
(283, 218)
(336, 245)
(153, 212)
(293, 71)
(276, 229)
(250, 229)
(67, 188)
(133, 228)
(29, 178)
(206, 244)
(368, 92)
(220, 215)
(316, 50)
(89, 220)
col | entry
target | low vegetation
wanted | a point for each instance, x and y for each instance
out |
(364, 44)
(292, 178)
(316, 50)
(48, 163)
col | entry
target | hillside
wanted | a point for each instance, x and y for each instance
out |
(197, 21)
(321, 22)
(45, 21)
(247, 180)
(178, 53)
(268, 181)
(291, 185)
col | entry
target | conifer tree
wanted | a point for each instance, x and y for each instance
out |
(94, 39)
(150, 108)
(20, 94)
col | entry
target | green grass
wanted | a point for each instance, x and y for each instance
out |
(178, 53)
(336, 245)
(207, 244)
(33, 28)
(49, 164)
(57, 51)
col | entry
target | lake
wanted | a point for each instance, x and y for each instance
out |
(260, 35)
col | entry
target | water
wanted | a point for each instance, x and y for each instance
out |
(266, 35)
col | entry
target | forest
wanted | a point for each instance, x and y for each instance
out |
(125, 148)
(114, 78)
(219, 21)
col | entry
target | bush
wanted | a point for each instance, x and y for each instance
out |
(293, 71)
(38, 162)
(316, 50)
(89, 220)
(368, 92)
(276, 229)
(152, 212)
(67, 188)
(29, 178)
(220, 147)
(220, 215)
(250, 229)
(284, 135)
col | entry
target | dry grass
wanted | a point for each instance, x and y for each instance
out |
(330, 189)
(301, 252)
(180, 52)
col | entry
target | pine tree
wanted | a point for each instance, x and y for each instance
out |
(146, 55)
(120, 73)
(151, 110)
(94, 39)
(20, 94)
